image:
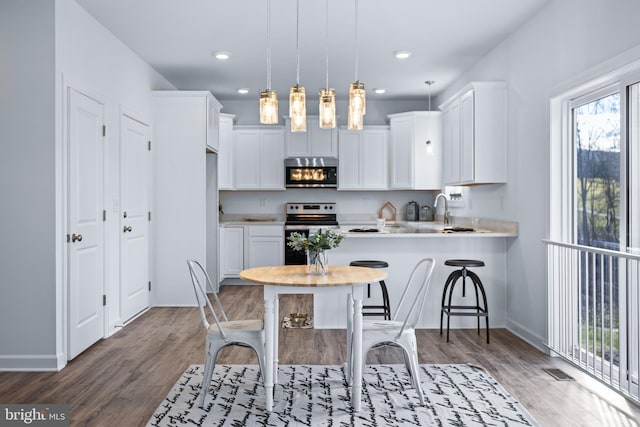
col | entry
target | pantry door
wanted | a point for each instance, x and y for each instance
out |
(85, 238)
(135, 164)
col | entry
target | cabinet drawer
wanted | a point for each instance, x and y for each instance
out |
(266, 230)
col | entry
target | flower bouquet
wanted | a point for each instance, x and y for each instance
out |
(315, 245)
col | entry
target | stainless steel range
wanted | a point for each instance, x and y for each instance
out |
(302, 218)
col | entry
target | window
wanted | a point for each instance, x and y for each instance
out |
(594, 242)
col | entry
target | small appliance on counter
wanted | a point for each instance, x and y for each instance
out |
(426, 213)
(412, 213)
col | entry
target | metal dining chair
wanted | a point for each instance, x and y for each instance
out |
(224, 332)
(400, 332)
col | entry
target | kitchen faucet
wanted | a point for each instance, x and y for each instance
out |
(446, 208)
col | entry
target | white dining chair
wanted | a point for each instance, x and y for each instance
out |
(225, 332)
(399, 332)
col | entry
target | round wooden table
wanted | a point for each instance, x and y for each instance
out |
(294, 279)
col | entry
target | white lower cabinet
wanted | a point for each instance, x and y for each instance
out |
(249, 246)
(364, 162)
(265, 245)
(231, 251)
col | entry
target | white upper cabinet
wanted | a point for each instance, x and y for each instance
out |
(416, 150)
(259, 157)
(363, 159)
(213, 123)
(475, 135)
(225, 153)
(315, 142)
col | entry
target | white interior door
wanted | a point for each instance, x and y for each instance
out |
(85, 226)
(134, 222)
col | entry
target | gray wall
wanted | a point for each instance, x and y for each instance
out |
(27, 217)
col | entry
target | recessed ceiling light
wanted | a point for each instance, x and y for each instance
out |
(380, 90)
(243, 91)
(221, 55)
(401, 54)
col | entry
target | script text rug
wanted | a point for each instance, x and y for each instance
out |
(317, 395)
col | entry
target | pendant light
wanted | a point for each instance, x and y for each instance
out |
(268, 97)
(357, 101)
(429, 143)
(297, 98)
(327, 107)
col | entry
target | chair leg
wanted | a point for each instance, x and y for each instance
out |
(479, 285)
(452, 278)
(456, 275)
(349, 362)
(385, 300)
(209, 366)
(414, 368)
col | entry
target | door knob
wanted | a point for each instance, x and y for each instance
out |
(127, 228)
(76, 238)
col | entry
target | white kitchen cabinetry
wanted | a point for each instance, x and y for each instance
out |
(225, 153)
(231, 252)
(475, 135)
(416, 150)
(183, 206)
(265, 245)
(315, 142)
(249, 246)
(213, 123)
(363, 158)
(259, 158)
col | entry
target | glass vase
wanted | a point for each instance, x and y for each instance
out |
(317, 261)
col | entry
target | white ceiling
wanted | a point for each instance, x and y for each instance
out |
(178, 37)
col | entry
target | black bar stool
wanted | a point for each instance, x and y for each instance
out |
(463, 310)
(375, 310)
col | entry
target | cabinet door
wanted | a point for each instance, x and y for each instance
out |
(231, 251)
(401, 152)
(374, 165)
(322, 142)
(213, 124)
(225, 153)
(451, 144)
(350, 161)
(297, 143)
(271, 162)
(265, 251)
(467, 146)
(247, 158)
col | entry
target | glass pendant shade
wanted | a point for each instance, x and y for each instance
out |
(268, 107)
(327, 108)
(297, 109)
(357, 106)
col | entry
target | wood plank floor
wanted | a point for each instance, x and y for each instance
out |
(121, 380)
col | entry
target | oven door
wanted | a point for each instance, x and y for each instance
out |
(293, 257)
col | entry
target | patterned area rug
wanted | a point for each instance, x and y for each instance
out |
(313, 395)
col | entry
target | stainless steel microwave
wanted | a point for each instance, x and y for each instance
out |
(311, 172)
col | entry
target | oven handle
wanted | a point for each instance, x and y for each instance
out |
(310, 227)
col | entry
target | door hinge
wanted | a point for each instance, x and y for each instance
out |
(68, 238)
(104, 215)
(149, 145)
(104, 300)
(104, 130)
(149, 286)
(149, 215)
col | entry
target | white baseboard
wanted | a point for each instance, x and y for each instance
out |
(32, 362)
(527, 334)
